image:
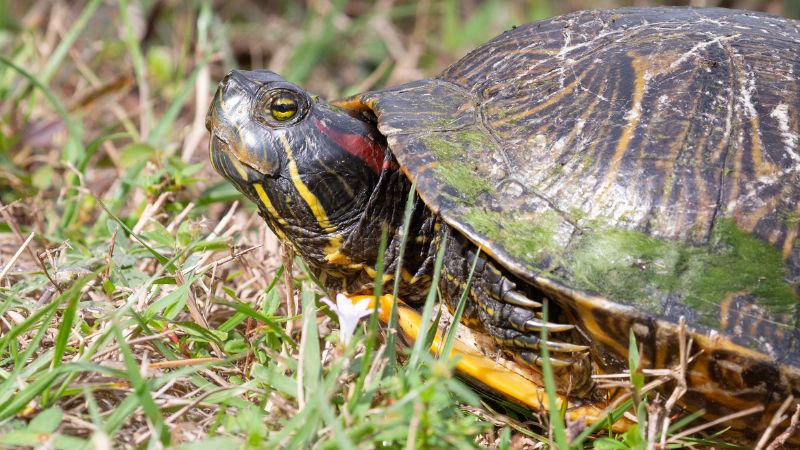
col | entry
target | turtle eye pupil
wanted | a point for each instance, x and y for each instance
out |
(283, 108)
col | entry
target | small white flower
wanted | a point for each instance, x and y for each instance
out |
(349, 314)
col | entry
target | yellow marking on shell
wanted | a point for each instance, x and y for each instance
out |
(553, 99)
(222, 102)
(422, 169)
(311, 200)
(594, 329)
(702, 383)
(724, 308)
(749, 221)
(262, 195)
(673, 178)
(638, 66)
(761, 166)
(790, 241)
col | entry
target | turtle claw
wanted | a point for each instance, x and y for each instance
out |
(518, 299)
(565, 347)
(537, 325)
(556, 363)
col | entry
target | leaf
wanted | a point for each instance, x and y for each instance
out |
(175, 300)
(606, 443)
(135, 153)
(46, 421)
(42, 177)
(196, 330)
(159, 63)
(234, 346)
(271, 376)
(159, 235)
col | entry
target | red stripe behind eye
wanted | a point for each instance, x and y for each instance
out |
(357, 145)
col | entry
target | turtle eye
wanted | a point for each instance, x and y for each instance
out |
(283, 106)
(280, 106)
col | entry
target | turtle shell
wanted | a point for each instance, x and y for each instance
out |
(642, 165)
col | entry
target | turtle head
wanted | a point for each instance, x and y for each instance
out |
(309, 166)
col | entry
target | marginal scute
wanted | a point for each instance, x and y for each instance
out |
(645, 157)
(423, 106)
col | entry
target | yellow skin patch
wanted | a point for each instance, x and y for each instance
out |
(511, 381)
(270, 209)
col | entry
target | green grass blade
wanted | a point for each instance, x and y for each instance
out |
(270, 376)
(168, 119)
(71, 151)
(423, 340)
(55, 59)
(248, 311)
(372, 328)
(310, 341)
(391, 328)
(139, 68)
(121, 414)
(686, 420)
(65, 327)
(24, 396)
(462, 302)
(556, 420)
(166, 262)
(296, 431)
(327, 413)
(140, 387)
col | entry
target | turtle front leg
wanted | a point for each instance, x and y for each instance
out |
(511, 314)
(507, 378)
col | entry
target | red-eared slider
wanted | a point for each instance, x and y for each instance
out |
(634, 167)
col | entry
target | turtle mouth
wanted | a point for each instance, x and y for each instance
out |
(221, 159)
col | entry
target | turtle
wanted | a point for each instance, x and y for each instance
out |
(637, 169)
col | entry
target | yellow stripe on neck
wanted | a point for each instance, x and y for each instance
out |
(332, 250)
(270, 209)
(311, 200)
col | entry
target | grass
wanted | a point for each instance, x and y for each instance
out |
(142, 304)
